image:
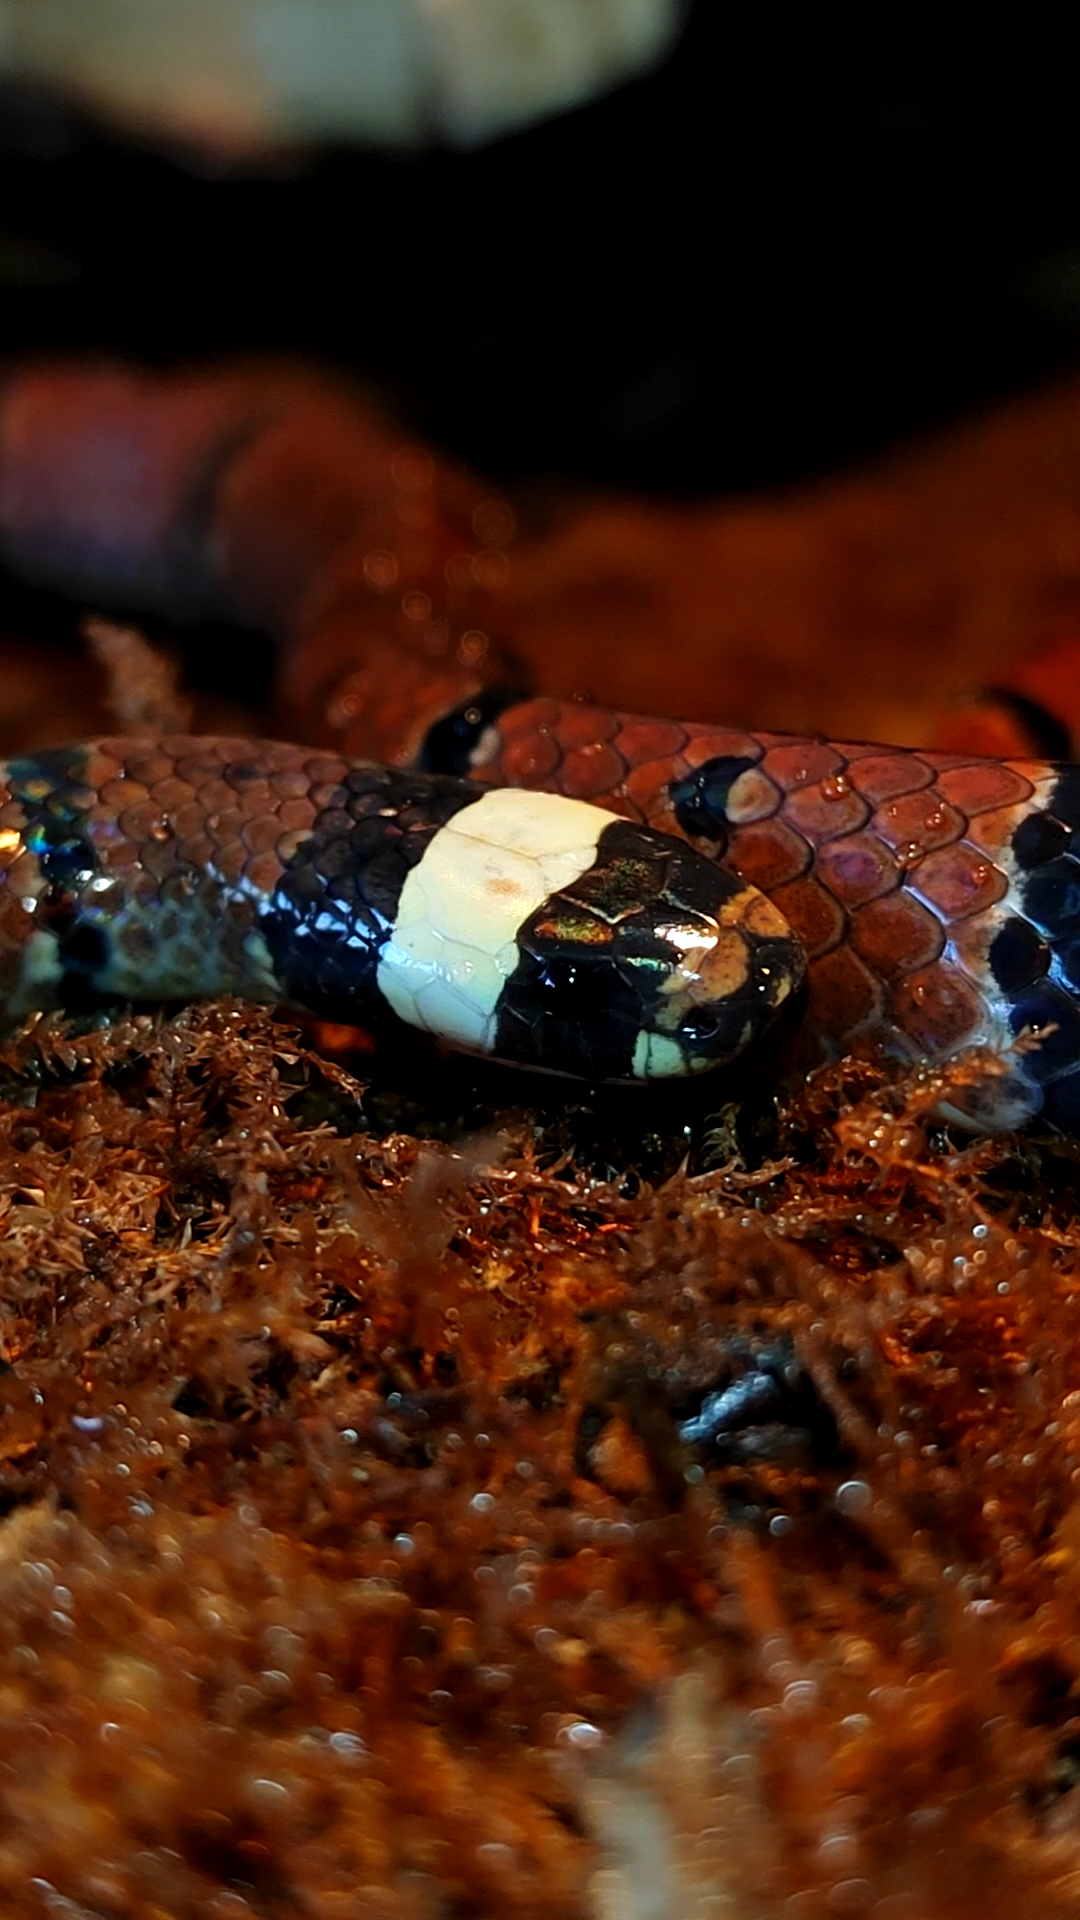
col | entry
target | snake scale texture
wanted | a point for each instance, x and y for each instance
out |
(686, 882)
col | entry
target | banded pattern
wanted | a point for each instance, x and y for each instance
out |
(533, 927)
(937, 895)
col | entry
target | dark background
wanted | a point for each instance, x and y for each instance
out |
(780, 250)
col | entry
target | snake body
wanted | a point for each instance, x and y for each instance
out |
(933, 899)
(549, 933)
(935, 895)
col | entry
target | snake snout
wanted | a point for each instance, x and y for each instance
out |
(733, 962)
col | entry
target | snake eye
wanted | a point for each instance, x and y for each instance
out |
(701, 1026)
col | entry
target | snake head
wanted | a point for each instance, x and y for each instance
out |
(575, 942)
(654, 963)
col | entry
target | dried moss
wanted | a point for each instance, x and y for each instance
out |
(437, 1527)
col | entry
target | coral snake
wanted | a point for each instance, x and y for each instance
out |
(552, 882)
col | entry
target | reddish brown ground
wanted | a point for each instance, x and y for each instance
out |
(354, 1562)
